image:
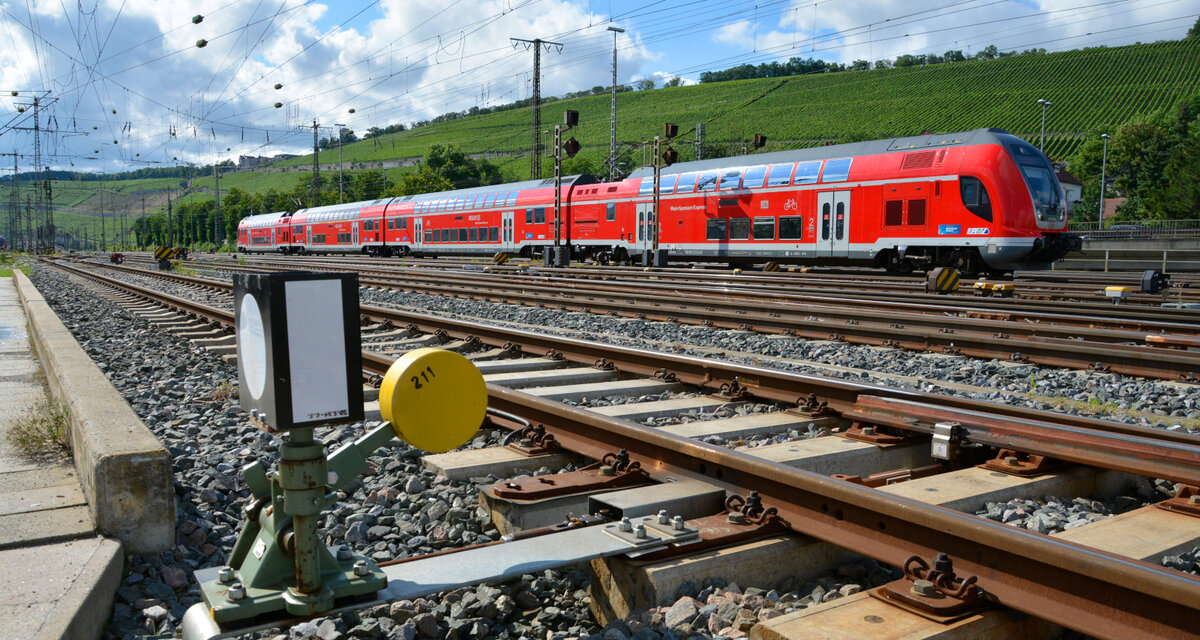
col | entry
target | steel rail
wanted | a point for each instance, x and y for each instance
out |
(979, 338)
(752, 288)
(1104, 445)
(1097, 593)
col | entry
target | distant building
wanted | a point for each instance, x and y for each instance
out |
(1070, 184)
(249, 162)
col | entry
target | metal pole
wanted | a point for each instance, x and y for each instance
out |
(341, 191)
(612, 136)
(556, 258)
(657, 179)
(1103, 175)
(1045, 103)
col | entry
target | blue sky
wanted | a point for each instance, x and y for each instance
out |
(130, 87)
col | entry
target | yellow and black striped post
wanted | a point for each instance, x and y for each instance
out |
(942, 280)
(771, 266)
(500, 258)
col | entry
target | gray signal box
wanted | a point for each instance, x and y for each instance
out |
(299, 349)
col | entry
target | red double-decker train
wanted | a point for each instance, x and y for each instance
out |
(980, 201)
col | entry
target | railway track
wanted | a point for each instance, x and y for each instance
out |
(1033, 286)
(1071, 340)
(1092, 591)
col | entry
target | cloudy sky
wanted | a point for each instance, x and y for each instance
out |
(126, 86)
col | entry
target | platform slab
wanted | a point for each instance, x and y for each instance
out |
(834, 454)
(501, 462)
(525, 379)
(578, 392)
(862, 616)
(745, 426)
(638, 411)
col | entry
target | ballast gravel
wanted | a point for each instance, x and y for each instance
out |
(398, 509)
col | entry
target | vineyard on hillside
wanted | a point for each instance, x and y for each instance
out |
(1092, 89)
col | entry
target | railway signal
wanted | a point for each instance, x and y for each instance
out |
(561, 256)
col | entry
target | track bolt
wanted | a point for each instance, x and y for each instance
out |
(1011, 461)
(626, 525)
(236, 592)
(640, 531)
(677, 523)
(868, 431)
(361, 569)
(344, 554)
(225, 575)
(924, 588)
(608, 470)
(663, 518)
(736, 517)
(1194, 500)
(527, 443)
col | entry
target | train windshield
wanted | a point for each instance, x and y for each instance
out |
(1039, 177)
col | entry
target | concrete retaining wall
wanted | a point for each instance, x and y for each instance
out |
(124, 470)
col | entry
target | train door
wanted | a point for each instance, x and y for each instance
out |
(418, 237)
(354, 235)
(645, 230)
(506, 232)
(833, 223)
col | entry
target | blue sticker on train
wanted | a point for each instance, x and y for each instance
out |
(949, 229)
(529, 236)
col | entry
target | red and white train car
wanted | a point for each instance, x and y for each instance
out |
(978, 200)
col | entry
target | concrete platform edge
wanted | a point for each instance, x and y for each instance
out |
(84, 610)
(125, 471)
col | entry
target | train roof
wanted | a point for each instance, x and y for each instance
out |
(567, 181)
(262, 219)
(852, 149)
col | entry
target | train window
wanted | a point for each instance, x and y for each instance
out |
(343, 238)
(403, 223)
(489, 200)
(686, 183)
(512, 198)
(392, 225)
(731, 179)
(825, 215)
(715, 229)
(893, 213)
(916, 212)
(840, 227)
(493, 234)
(539, 215)
(647, 187)
(428, 235)
(462, 235)
(529, 216)
(707, 181)
(780, 174)
(755, 177)
(836, 170)
(807, 172)
(445, 235)
(975, 197)
(472, 235)
(739, 228)
(666, 184)
(764, 228)
(610, 212)
(791, 228)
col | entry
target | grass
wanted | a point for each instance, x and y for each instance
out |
(10, 262)
(41, 430)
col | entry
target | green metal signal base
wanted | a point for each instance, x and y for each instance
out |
(278, 563)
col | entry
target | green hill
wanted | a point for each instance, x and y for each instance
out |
(1092, 89)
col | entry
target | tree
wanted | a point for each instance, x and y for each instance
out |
(673, 82)
(955, 55)
(989, 52)
(860, 65)
(645, 85)
(1194, 32)
(423, 180)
